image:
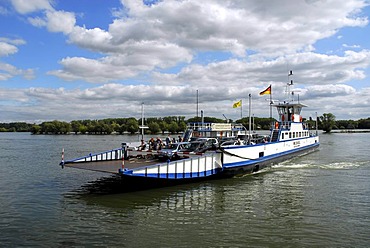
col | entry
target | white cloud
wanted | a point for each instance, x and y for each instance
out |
(60, 21)
(7, 49)
(115, 100)
(159, 44)
(95, 39)
(7, 71)
(9, 46)
(37, 21)
(55, 21)
(127, 62)
(309, 68)
(351, 46)
(28, 6)
(163, 31)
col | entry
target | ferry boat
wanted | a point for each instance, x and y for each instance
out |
(232, 150)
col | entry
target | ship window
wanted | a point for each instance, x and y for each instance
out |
(290, 135)
(282, 136)
(261, 154)
(297, 110)
(293, 135)
(300, 134)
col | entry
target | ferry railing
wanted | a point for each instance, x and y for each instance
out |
(201, 166)
(114, 154)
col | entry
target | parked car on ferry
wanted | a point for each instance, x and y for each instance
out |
(198, 146)
(210, 143)
(170, 152)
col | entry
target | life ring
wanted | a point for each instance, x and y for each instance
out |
(276, 125)
(292, 117)
(283, 118)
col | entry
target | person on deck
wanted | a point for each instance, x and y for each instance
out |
(168, 140)
(142, 145)
(151, 144)
(158, 144)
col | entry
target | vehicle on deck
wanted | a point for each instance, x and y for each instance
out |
(171, 152)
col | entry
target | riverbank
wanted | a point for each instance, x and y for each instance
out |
(351, 131)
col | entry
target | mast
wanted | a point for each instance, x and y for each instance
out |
(197, 104)
(241, 110)
(250, 108)
(290, 83)
(317, 132)
(142, 120)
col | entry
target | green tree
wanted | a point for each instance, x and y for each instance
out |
(121, 129)
(75, 126)
(132, 125)
(115, 127)
(364, 123)
(173, 127)
(182, 126)
(327, 122)
(82, 129)
(163, 126)
(107, 129)
(154, 127)
(206, 119)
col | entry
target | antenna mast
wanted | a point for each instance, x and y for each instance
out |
(289, 84)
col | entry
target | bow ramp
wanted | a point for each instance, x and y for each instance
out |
(146, 164)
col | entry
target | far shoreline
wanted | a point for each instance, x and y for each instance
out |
(350, 131)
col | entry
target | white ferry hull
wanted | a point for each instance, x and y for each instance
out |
(248, 159)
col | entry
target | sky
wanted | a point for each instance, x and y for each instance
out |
(94, 59)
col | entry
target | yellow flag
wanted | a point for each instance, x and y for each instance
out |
(237, 104)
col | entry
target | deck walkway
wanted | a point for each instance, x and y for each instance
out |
(114, 165)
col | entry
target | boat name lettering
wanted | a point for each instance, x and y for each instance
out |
(221, 126)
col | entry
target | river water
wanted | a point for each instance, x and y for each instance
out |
(319, 200)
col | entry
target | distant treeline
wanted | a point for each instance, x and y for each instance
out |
(171, 124)
(15, 127)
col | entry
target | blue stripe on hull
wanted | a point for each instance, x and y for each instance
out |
(187, 175)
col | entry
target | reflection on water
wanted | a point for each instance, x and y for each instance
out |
(274, 207)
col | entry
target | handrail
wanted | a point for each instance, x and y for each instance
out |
(114, 154)
(201, 166)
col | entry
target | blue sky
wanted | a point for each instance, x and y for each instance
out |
(94, 59)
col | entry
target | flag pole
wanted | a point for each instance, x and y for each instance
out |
(250, 110)
(241, 109)
(270, 103)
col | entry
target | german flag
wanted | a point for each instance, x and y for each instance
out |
(266, 91)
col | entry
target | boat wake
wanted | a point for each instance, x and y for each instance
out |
(347, 165)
